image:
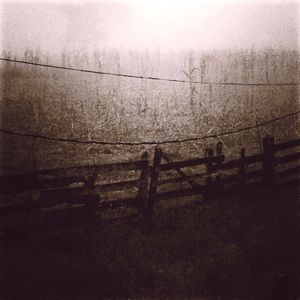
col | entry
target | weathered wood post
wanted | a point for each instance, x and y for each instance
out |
(208, 183)
(153, 182)
(218, 183)
(143, 187)
(268, 160)
(219, 151)
(209, 154)
(92, 198)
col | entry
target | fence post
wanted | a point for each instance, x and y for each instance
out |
(219, 151)
(268, 159)
(91, 199)
(209, 152)
(208, 183)
(153, 182)
(218, 182)
(143, 187)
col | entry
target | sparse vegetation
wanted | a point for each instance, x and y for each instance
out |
(230, 248)
(70, 104)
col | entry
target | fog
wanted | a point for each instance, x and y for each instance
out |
(169, 25)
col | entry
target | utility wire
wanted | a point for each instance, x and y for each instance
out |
(77, 141)
(148, 77)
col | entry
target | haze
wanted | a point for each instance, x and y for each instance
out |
(169, 25)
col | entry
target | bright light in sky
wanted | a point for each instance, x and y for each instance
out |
(212, 24)
(164, 24)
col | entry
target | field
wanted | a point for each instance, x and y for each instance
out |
(60, 103)
(239, 247)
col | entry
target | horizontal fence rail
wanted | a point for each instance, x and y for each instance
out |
(59, 177)
(191, 162)
(287, 145)
(213, 176)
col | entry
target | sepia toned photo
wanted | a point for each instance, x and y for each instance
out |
(150, 149)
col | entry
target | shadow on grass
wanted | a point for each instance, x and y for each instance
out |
(232, 248)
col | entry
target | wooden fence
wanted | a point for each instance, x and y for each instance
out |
(83, 187)
(225, 177)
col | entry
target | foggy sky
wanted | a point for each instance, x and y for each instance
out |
(170, 25)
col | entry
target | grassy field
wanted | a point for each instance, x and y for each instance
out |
(87, 106)
(231, 248)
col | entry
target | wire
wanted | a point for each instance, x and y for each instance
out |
(77, 141)
(149, 77)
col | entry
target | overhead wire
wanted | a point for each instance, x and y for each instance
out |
(173, 141)
(126, 143)
(149, 77)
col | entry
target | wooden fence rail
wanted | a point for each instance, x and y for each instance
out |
(74, 186)
(81, 185)
(238, 176)
(44, 179)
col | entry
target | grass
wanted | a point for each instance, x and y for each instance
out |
(231, 248)
(59, 103)
(228, 249)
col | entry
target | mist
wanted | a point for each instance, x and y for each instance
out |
(140, 25)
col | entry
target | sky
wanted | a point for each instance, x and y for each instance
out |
(137, 24)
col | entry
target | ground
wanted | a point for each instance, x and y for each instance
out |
(231, 248)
